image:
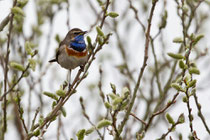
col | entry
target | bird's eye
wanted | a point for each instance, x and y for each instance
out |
(76, 33)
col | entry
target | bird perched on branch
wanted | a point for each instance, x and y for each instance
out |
(72, 51)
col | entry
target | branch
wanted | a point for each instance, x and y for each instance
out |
(6, 71)
(76, 81)
(200, 114)
(136, 15)
(143, 122)
(21, 77)
(142, 68)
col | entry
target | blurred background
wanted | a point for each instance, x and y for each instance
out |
(45, 23)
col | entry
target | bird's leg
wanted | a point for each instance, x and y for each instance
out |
(69, 78)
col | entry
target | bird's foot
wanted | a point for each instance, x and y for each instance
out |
(82, 68)
(69, 87)
(65, 84)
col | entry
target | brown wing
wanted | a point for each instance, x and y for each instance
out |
(57, 53)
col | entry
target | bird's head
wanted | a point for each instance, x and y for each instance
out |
(75, 39)
(75, 34)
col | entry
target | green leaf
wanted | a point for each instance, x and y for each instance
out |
(28, 48)
(100, 40)
(63, 111)
(124, 104)
(197, 39)
(181, 64)
(57, 38)
(113, 14)
(125, 92)
(89, 131)
(89, 40)
(191, 117)
(192, 83)
(17, 10)
(107, 105)
(181, 118)
(21, 110)
(184, 99)
(99, 31)
(117, 101)
(17, 66)
(177, 87)
(113, 96)
(193, 91)
(41, 120)
(175, 56)
(169, 118)
(61, 93)
(32, 63)
(81, 134)
(103, 123)
(194, 70)
(51, 95)
(178, 40)
(100, 2)
(113, 87)
(36, 133)
(163, 20)
(22, 3)
(26, 74)
(54, 104)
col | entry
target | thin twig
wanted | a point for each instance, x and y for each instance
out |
(20, 110)
(136, 15)
(200, 114)
(34, 119)
(143, 122)
(88, 118)
(161, 111)
(21, 77)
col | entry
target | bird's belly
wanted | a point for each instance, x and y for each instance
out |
(71, 62)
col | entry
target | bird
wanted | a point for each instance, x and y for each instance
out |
(72, 51)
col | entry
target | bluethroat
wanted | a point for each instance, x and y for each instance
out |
(72, 51)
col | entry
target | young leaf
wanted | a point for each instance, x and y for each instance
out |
(81, 134)
(32, 64)
(61, 93)
(194, 70)
(181, 64)
(113, 14)
(51, 95)
(107, 105)
(17, 10)
(99, 31)
(28, 48)
(181, 118)
(17, 66)
(177, 87)
(192, 83)
(177, 40)
(89, 131)
(103, 123)
(170, 119)
(175, 56)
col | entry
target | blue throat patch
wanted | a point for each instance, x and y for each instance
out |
(78, 44)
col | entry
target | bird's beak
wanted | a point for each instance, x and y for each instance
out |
(84, 32)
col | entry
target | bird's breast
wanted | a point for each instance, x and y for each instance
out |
(72, 52)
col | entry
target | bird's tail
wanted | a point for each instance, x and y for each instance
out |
(53, 60)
